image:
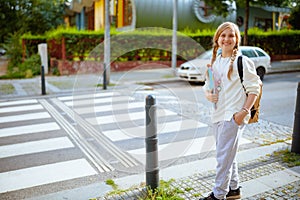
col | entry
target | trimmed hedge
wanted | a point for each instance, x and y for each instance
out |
(145, 45)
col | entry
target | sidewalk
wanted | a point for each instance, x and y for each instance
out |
(262, 176)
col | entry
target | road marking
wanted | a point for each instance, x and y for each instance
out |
(12, 103)
(31, 116)
(44, 174)
(28, 129)
(97, 101)
(131, 116)
(88, 96)
(101, 140)
(21, 108)
(139, 131)
(114, 107)
(35, 147)
(85, 146)
(181, 148)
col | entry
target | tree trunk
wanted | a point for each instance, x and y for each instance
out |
(245, 42)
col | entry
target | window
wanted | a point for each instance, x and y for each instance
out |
(249, 53)
(260, 54)
(263, 23)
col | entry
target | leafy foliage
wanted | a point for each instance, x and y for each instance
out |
(295, 16)
(35, 16)
(165, 192)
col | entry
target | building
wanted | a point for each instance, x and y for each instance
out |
(192, 14)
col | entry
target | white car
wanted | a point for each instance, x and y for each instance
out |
(195, 70)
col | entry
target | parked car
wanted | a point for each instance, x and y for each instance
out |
(195, 70)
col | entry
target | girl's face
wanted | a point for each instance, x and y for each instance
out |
(227, 40)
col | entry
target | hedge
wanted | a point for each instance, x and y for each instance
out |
(156, 44)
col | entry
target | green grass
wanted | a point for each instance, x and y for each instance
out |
(7, 89)
(290, 158)
(101, 85)
(165, 191)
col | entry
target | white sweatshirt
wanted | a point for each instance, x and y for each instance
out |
(232, 95)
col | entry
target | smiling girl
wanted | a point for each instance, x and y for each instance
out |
(232, 107)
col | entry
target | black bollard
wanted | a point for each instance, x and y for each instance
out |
(104, 77)
(43, 80)
(152, 168)
(296, 130)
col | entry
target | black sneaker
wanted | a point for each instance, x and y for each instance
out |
(234, 194)
(210, 197)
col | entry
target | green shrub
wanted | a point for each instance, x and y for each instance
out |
(28, 69)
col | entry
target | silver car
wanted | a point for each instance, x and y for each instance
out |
(195, 70)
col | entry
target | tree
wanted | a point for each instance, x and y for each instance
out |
(35, 16)
(221, 8)
(294, 18)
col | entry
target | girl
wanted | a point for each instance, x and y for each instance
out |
(232, 107)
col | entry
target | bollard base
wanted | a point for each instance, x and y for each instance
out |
(296, 130)
(295, 143)
(152, 179)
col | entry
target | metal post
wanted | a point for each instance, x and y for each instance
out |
(152, 168)
(107, 42)
(43, 80)
(174, 38)
(104, 76)
(296, 130)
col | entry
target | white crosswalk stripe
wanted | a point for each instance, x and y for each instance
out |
(21, 108)
(24, 117)
(44, 174)
(131, 116)
(28, 129)
(18, 102)
(181, 149)
(35, 147)
(139, 131)
(109, 107)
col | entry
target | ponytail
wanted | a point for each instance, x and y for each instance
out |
(232, 58)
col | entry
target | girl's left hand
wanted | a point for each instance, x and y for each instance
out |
(239, 117)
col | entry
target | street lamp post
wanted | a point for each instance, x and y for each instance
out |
(106, 64)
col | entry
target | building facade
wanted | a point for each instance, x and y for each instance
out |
(192, 15)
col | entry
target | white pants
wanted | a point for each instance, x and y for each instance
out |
(227, 135)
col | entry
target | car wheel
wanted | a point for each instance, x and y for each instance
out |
(261, 72)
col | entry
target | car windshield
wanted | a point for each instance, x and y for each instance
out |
(249, 53)
(259, 53)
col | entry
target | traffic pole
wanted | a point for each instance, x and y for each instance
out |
(296, 130)
(43, 86)
(152, 168)
(104, 77)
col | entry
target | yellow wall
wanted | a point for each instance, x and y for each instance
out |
(120, 14)
(99, 14)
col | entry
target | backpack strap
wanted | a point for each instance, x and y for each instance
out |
(240, 67)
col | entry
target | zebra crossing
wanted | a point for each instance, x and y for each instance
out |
(27, 130)
(108, 129)
(121, 118)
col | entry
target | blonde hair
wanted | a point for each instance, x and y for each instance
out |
(220, 29)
